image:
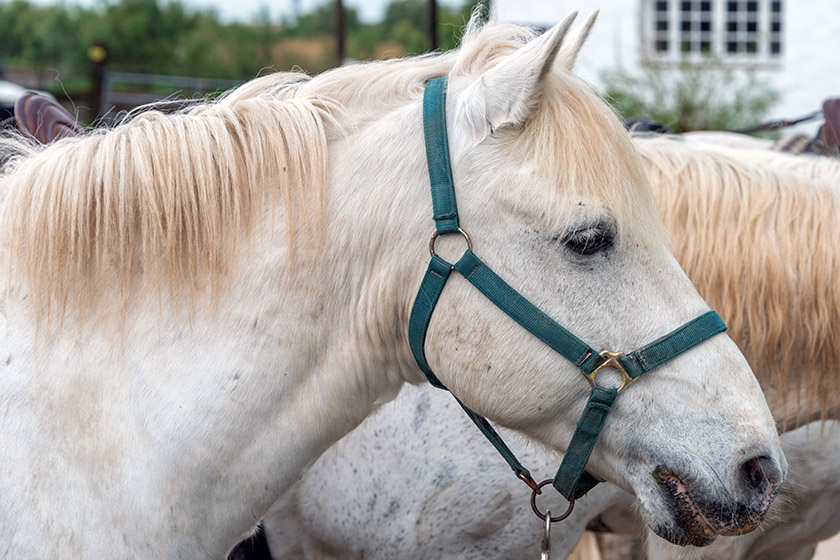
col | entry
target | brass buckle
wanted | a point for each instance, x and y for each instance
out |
(611, 359)
(436, 234)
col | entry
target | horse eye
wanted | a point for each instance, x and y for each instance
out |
(590, 240)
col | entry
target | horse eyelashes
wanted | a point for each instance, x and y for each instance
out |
(588, 241)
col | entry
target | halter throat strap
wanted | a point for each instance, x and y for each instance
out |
(571, 479)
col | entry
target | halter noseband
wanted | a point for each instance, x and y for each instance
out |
(571, 480)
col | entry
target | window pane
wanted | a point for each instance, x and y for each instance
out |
(741, 29)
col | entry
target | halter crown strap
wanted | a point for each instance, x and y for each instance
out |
(437, 156)
(571, 480)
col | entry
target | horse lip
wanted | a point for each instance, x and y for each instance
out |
(695, 529)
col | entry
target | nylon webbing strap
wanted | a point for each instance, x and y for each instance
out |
(496, 440)
(673, 344)
(418, 323)
(437, 156)
(421, 313)
(521, 310)
(571, 479)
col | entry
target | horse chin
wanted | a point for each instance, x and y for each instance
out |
(697, 520)
(682, 536)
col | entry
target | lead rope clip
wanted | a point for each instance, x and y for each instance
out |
(545, 545)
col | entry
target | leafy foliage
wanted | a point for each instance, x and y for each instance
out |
(170, 37)
(706, 96)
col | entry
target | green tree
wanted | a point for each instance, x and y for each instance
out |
(168, 36)
(321, 21)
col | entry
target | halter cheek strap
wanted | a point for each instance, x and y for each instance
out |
(571, 479)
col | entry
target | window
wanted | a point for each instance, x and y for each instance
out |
(738, 31)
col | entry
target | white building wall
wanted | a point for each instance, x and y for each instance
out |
(810, 69)
(616, 37)
(808, 72)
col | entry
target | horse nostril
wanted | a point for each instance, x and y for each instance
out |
(761, 475)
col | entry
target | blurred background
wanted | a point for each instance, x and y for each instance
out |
(107, 56)
(689, 64)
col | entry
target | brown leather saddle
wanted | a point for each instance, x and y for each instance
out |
(827, 140)
(43, 119)
(831, 128)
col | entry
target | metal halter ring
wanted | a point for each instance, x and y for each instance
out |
(540, 514)
(436, 234)
(611, 360)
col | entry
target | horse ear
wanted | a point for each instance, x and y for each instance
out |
(571, 48)
(508, 93)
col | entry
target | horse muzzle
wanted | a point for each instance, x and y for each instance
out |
(700, 516)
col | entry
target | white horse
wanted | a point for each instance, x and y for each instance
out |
(442, 494)
(739, 228)
(756, 152)
(198, 305)
(365, 498)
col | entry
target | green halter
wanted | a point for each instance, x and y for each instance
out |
(571, 480)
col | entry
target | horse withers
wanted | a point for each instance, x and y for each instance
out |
(198, 304)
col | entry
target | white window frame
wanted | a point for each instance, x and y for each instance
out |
(716, 40)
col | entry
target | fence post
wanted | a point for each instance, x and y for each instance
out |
(98, 56)
(433, 32)
(339, 32)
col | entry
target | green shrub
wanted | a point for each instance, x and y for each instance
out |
(706, 96)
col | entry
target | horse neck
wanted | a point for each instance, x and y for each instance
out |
(294, 353)
(343, 300)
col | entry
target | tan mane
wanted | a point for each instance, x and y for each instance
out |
(165, 198)
(168, 195)
(762, 248)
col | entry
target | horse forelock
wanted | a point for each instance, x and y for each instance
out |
(580, 145)
(575, 139)
(761, 247)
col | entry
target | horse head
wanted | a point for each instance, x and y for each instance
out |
(554, 198)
